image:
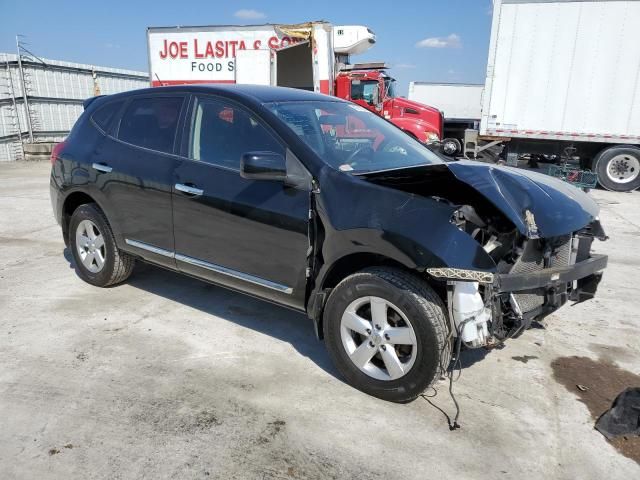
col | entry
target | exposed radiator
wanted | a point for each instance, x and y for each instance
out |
(532, 260)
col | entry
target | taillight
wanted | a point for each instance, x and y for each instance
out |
(55, 152)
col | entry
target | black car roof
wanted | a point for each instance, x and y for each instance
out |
(259, 93)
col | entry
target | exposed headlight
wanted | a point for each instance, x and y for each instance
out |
(432, 137)
(461, 274)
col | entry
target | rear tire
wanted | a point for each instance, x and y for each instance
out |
(397, 370)
(97, 257)
(618, 168)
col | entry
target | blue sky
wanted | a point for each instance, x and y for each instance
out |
(427, 40)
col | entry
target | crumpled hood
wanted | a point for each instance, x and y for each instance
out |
(537, 204)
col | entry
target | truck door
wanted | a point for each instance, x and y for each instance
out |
(254, 67)
(366, 93)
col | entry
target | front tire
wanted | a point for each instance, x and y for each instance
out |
(97, 257)
(387, 333)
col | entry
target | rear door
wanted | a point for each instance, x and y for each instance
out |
(294, 66)
(251, 235)
(136, 164)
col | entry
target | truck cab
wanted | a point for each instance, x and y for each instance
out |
(370, 87)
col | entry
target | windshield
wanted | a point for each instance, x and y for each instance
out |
(350, 138)
(390, 87)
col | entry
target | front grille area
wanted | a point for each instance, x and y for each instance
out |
(532, 260)
(561, 256)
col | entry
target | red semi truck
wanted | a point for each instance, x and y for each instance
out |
(313, 56)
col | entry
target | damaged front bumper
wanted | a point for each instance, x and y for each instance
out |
(586, 273)
(494, 309)
(554, 286)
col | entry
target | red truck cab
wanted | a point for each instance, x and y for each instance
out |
(373, 89)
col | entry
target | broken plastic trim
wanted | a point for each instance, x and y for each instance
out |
(461, 274)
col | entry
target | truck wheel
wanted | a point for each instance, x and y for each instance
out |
(618, 168)
(451, 146)
(98, 259)
(387, 333)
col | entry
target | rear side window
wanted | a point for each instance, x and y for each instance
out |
(104, 115)
(151, 123)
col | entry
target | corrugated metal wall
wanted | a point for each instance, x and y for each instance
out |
(55, 91)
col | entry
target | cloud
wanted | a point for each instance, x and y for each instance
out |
(249, 14)
(452, 41)
(404, 65)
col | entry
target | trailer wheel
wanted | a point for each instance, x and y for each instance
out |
(618, 168)
(451, 146)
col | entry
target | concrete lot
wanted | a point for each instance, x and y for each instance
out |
(168, 377)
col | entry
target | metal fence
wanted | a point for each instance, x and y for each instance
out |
(40, 99)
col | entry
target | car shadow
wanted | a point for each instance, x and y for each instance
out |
(278, 322)
(269, 319)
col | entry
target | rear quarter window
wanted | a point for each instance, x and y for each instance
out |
(151, 123)
(104, 115)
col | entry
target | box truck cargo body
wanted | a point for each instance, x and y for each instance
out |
(566, 74)
(460, 103)
(312, 56)
(257, 54)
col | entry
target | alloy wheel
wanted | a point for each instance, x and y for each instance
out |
(378, 338)
(90, 246)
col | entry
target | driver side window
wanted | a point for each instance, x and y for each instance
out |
(364, 90)
(222, 132)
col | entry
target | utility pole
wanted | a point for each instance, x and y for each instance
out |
(24, 91)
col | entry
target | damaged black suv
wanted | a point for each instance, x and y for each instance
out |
(316, 204)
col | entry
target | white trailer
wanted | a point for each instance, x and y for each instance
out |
(460, 103)
(563, 78)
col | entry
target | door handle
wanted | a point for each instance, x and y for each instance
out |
(196, 192)
(101, 167)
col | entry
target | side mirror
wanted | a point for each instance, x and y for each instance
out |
(263, 166)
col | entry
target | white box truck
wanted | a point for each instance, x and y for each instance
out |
(461, 104)
(313, 56)
(563, 80)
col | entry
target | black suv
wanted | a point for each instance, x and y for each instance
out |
(316, 204)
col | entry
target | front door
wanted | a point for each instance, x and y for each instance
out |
(251, 235)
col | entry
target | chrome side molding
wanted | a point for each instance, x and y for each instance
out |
(235, 274)
(150, 248)
(212, 267)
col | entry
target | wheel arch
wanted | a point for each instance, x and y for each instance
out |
(345, 266)
(71, 202)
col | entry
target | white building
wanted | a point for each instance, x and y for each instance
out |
(54, 91)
